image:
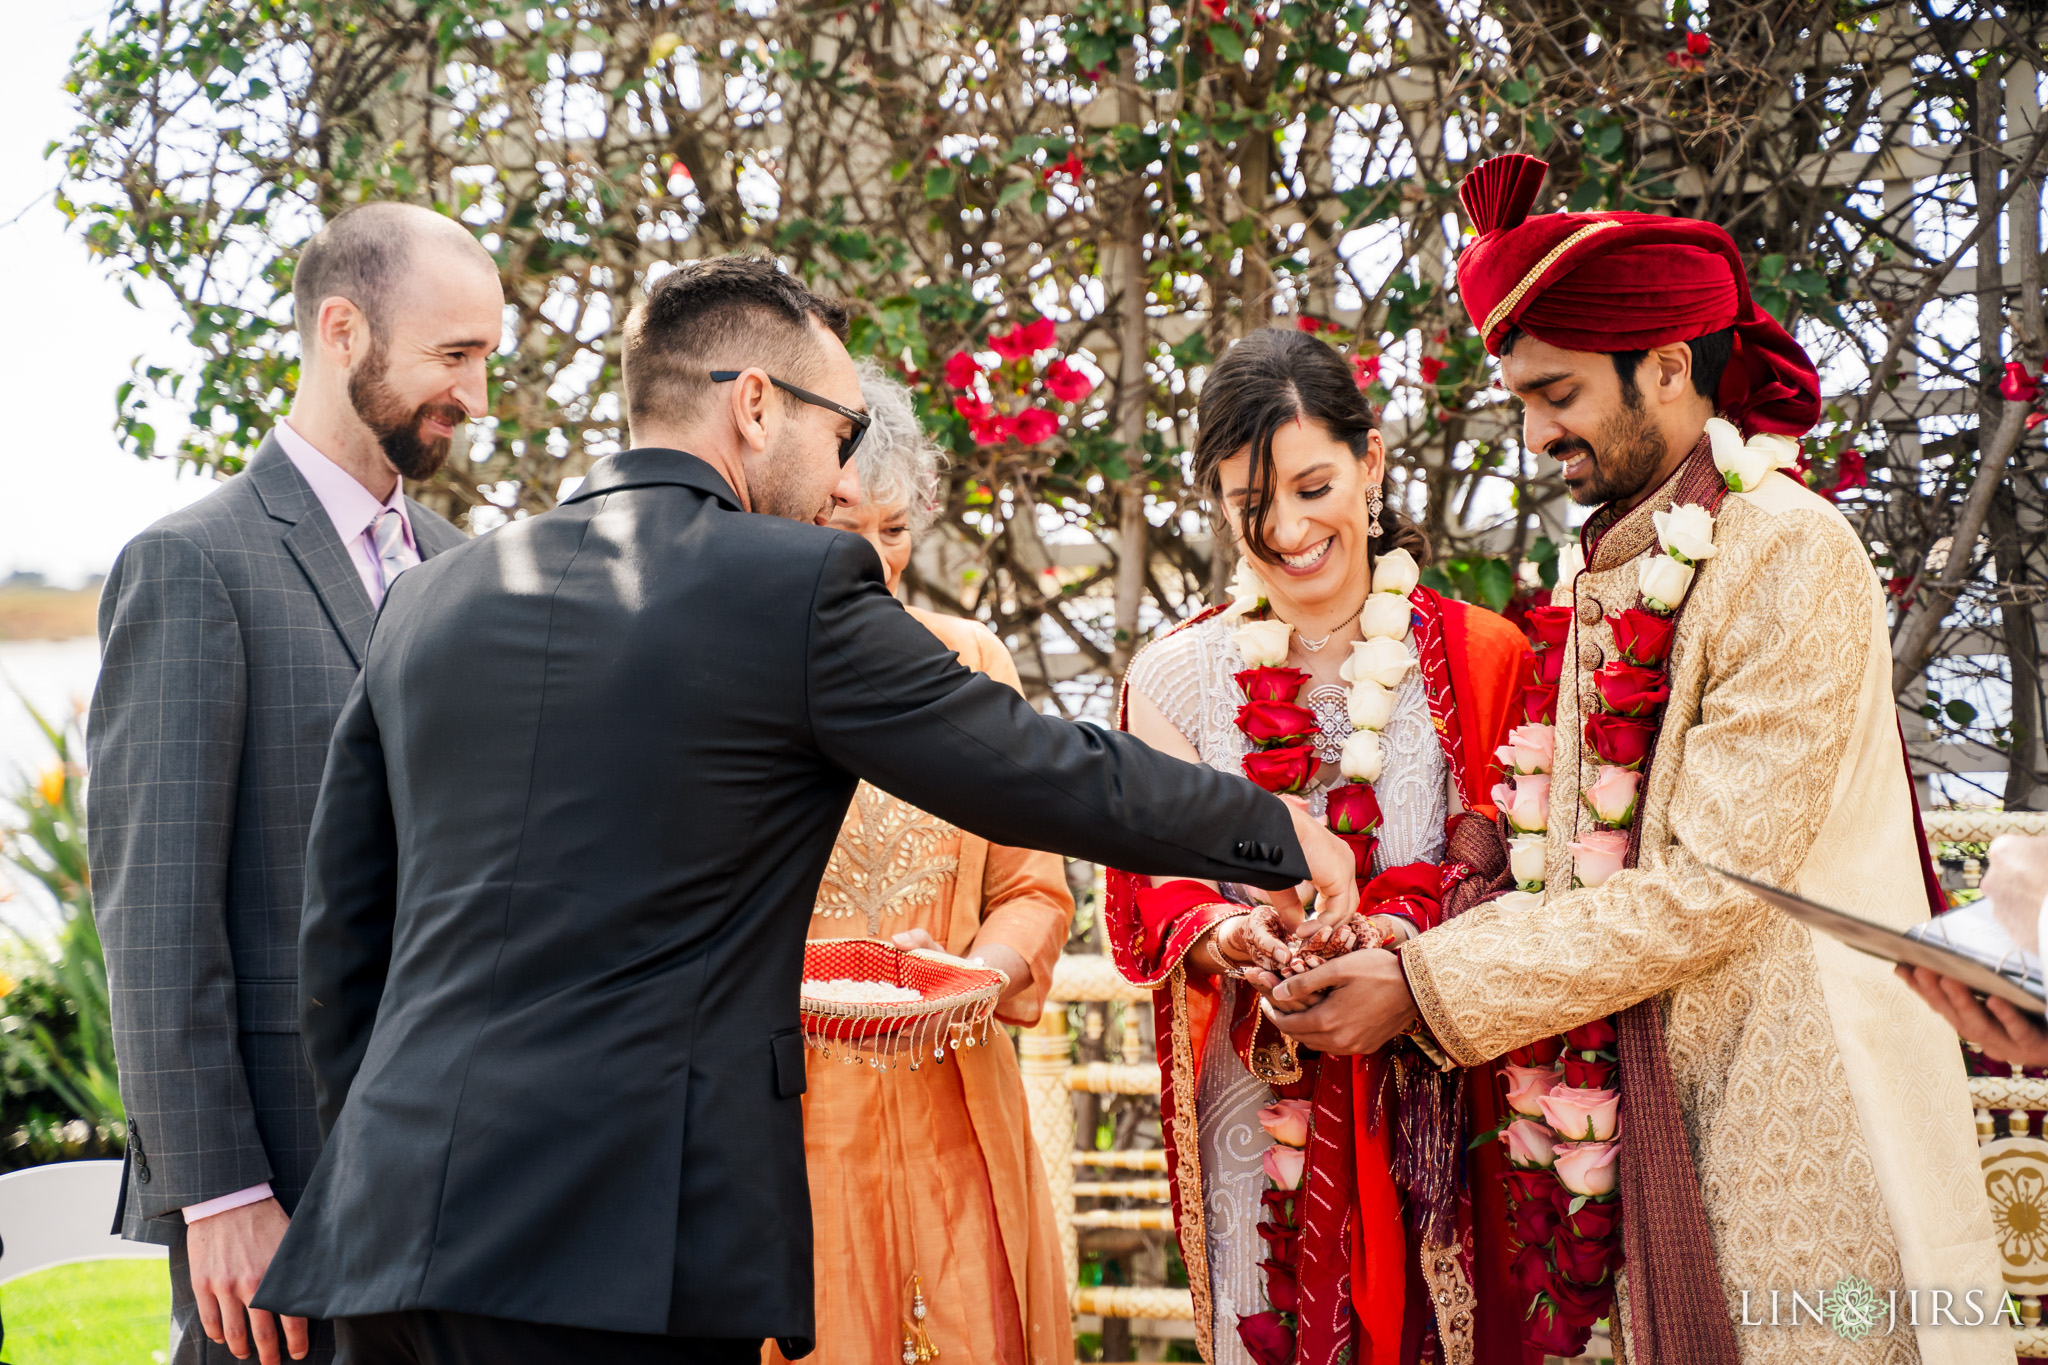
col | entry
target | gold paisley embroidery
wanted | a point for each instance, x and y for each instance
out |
(883, 865)
(1791, 1188)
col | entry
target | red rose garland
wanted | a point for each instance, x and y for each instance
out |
(1563, 1133)
(1283, 758)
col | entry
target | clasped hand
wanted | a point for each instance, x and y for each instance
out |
(1319, 985)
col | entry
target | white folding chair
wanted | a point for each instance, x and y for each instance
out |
(55, 1215)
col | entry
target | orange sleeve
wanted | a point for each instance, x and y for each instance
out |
(1025, 903)
(1486, 652)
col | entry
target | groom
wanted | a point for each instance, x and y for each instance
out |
(572, 823)
(1789, 1118)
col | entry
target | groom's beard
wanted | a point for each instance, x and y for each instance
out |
(782, 483)
(397, 428)
(1624, 460)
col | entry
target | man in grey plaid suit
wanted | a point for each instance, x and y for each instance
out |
(231, 633)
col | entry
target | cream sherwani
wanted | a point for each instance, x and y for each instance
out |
(1827, 1109)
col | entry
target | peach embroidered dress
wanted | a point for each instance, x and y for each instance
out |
(933, 1173)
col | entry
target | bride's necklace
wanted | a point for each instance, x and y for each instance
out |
(1316, 646)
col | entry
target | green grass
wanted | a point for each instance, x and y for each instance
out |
(95, 1313)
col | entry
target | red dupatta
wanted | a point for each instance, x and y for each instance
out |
(1470, 661)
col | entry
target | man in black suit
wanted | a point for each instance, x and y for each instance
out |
(567, 845)
(231, 633)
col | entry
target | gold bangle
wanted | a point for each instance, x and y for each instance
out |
(1231, 966)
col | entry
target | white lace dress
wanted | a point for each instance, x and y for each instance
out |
(1189, 677)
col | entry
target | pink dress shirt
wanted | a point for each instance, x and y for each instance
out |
(351, 507)
(354, 511)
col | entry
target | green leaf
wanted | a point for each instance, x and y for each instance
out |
(1516, 93)
(1496, 582)
(1228, 45)
(1012, 192)
(1807, 284)
(1540, 131)
(1330, 58)
(1769, 268)
(1961, 712)
(938, 182)
(1606, 142)
(1588, 195)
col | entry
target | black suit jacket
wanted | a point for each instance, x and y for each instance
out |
(571, 830)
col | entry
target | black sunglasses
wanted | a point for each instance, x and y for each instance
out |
(860, 420)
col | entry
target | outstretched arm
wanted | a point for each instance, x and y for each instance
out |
(889, 703)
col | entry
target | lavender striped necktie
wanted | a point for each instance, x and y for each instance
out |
(394, 556)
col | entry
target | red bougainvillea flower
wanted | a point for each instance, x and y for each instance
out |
(1067, 382)
(1270, 684)
(1698, 44)
(1431, 368)
(992, 429)
(2034, 419)
(961, 369)
(1365, 370)
(1216, 7)
(1902, 586)
(971, 407)
(1034, 425)
(1070, 168)
(2018, 386)
(1024, 340)
(1683, 61)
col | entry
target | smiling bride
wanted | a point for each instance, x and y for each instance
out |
(1327, 1208)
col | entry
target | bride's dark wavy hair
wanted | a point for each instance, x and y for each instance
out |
(1270, 378)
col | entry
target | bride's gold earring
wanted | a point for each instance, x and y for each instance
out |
(1373, 503)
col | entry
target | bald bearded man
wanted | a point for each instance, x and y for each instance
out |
(231, 633)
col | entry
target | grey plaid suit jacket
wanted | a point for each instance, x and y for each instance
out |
(230, 634)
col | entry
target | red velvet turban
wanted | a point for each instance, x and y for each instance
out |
(1625, 282)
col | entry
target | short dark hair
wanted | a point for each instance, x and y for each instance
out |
(361, 255)
(725, 313)
(1710, 355)
(1270, 378)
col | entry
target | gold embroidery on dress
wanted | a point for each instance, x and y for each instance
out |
(1187, 1142)
(883, 864)
(1452, 1300)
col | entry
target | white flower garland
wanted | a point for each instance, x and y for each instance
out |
(1744, 465)
(1376, 667)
